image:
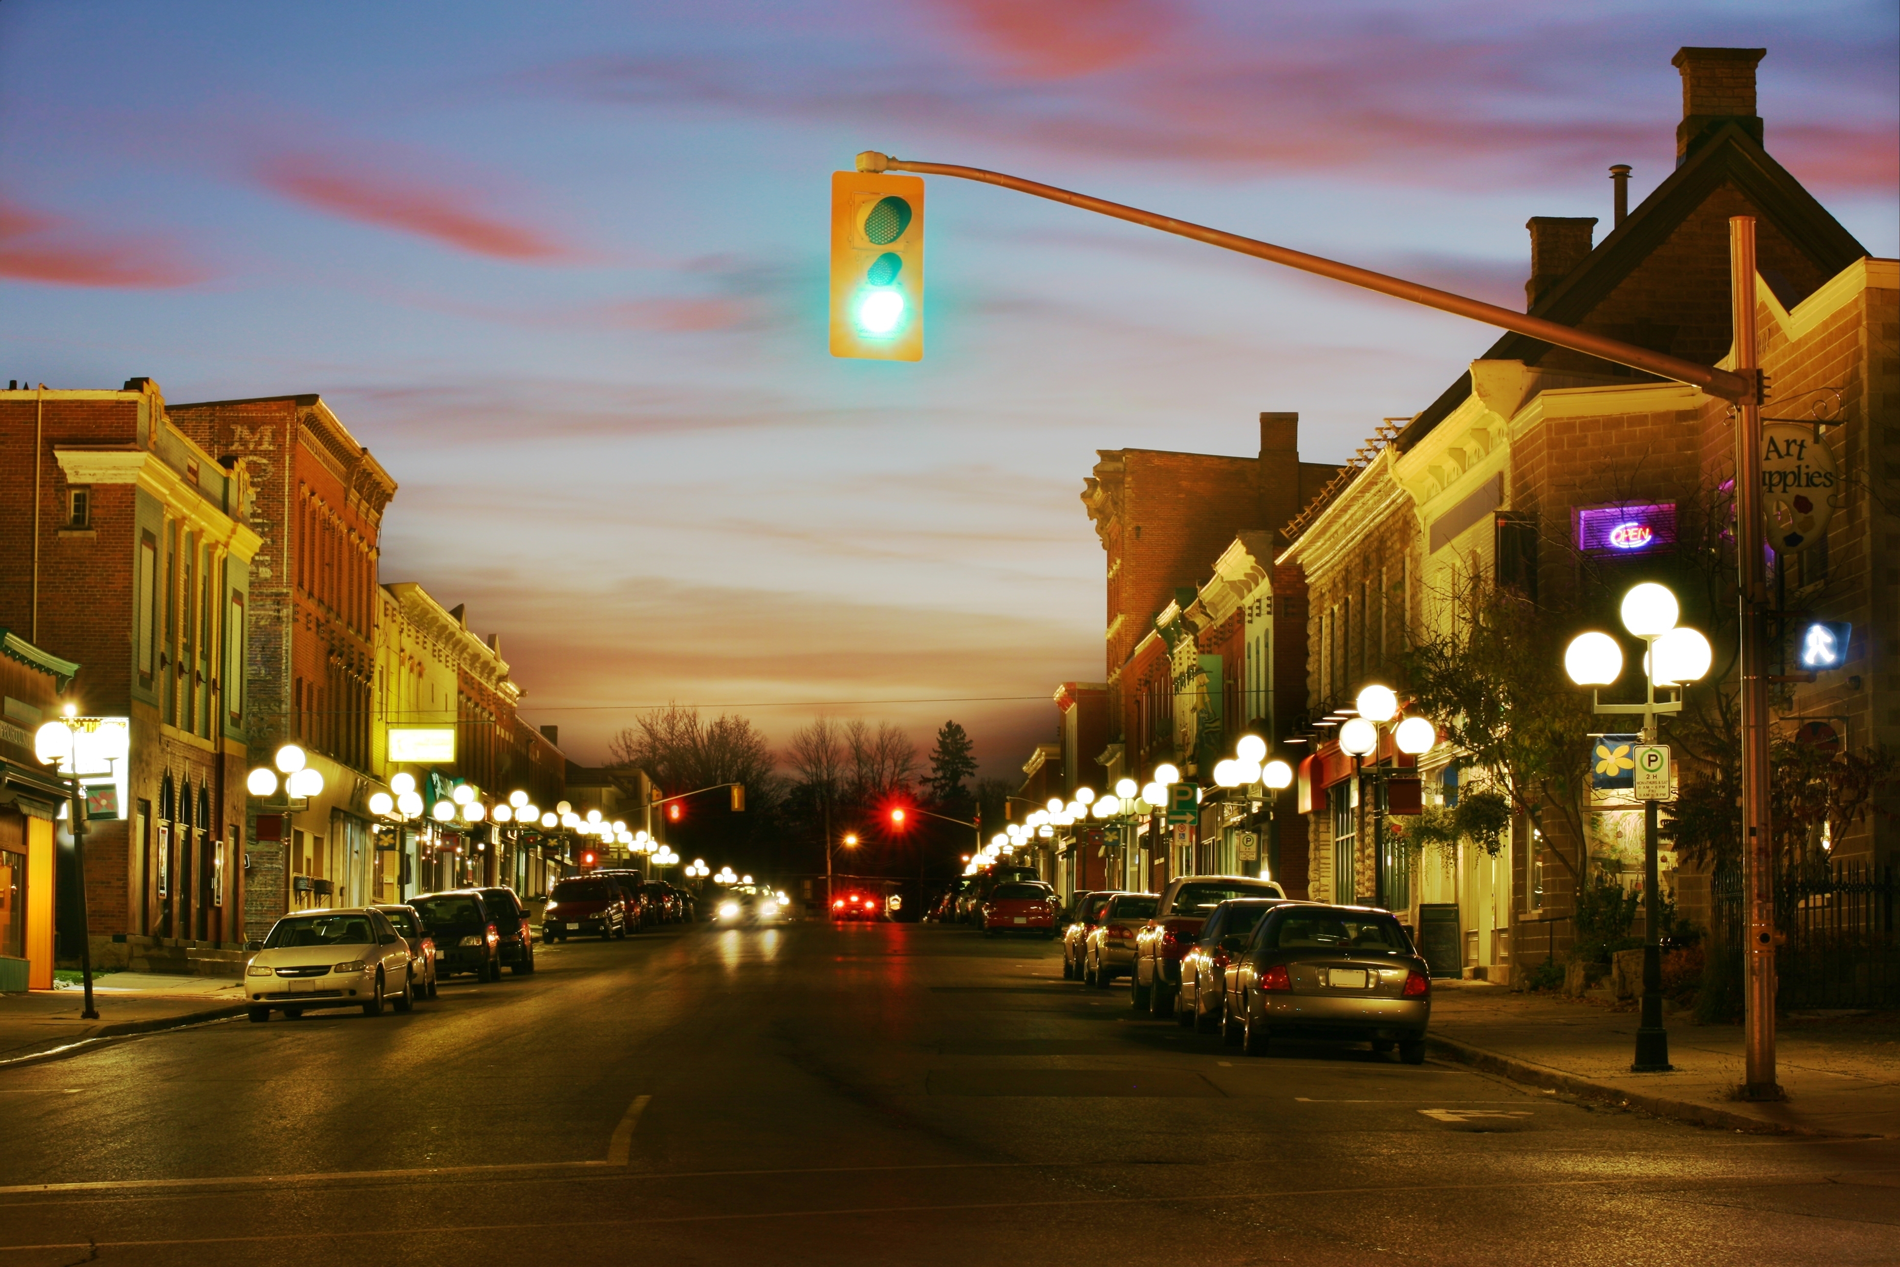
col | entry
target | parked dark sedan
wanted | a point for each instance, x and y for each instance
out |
(513, 929)
(1224, 938)
(1348, 973)
(466, 939)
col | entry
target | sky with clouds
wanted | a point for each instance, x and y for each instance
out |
(561, 266)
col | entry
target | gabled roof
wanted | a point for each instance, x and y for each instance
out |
(1729, 154)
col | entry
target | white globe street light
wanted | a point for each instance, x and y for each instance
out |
(1166, 774)
(291, 758)
(1358, 737)
(402, 781)
(1277, 774)
(1127, 789)
(305, 782)
(1378, 704)
(1649, 610)
(1682, 655)
(409, 803)
(1227, 773)
(261, 782)
(381, 804)
(1593, 659)
(1415, 736)
(1251, 749)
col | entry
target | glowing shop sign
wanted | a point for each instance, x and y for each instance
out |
(421, 745)
(1631, 536)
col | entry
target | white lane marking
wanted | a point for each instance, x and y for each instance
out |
(252, 1181)
(622, 1143)
(1300, 1099)
(1466, 1115)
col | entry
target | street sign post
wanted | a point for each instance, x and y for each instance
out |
(1184, 806)
(1652, 772)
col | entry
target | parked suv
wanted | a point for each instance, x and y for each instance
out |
(1183, 907)
(584, 906)
(466, 939)
(512, 927)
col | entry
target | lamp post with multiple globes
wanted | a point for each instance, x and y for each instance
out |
(57, 743)
(292, 780)
(1249, 768)
(399, 807)
(1674, 656)
(1360, 737)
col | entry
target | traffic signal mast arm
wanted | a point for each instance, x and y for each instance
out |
(1739, 388)
(698, 790)
(912, 809)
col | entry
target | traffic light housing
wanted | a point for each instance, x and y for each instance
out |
(588, 858)
(673, 812)
(738, 798)
(877, 266)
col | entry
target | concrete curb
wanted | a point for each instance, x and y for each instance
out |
(1536, 1075)
(127, 1029)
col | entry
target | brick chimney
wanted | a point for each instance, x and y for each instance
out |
(1558, 245)
(1718, 86)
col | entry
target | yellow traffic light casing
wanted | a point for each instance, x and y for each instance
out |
(738, 798)
(877, 266)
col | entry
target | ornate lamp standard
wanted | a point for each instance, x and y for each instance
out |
(399, 807)
(57, 743)
(300, 782)
(1249, 768)
(1674, 656)
(1359, 737)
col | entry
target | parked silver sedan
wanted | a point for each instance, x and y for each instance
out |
(1329, 972)
(1224, 937)
(351, 957)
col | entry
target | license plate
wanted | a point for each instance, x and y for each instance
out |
(302, 985)
(1347, 978)
(1022, 919)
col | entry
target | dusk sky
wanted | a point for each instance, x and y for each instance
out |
(561, 266)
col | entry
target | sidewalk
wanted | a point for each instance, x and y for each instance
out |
(127, 1003)
(1841, 1071)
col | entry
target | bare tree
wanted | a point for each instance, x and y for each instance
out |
(680, 752)
(882, 760)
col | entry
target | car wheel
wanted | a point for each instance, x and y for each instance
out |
(406, 1001)
(1137, 993)
(260, 1014)
(524, 965)
(1253, 1034)
(1412, 1051)
(1204, 1020)
(1068, 969)
(375, 1005)
(432, 983)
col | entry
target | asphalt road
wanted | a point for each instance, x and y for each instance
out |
(867, 1094)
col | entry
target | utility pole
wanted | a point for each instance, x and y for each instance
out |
(1758, 865)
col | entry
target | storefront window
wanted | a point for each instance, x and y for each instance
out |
(12, 904)
(1345, 823)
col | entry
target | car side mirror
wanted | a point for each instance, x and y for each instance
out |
(253, 945)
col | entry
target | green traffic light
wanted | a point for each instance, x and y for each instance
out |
(881, 310)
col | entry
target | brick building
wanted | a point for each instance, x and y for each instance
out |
(317, 502)
(124, 547)
(1512, 477)
(31, 681)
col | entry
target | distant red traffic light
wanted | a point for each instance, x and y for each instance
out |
(897, 818)
(673, 812)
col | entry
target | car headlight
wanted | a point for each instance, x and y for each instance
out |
(354, 965)
(549, 908)
(769, 909)
(257, 970)
(728, 910)
(472, 941)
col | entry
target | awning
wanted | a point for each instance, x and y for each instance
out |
(14, 647)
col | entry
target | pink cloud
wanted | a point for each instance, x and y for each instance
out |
(674, 315)
(378, 195)
(1060, 39)
(60, 251)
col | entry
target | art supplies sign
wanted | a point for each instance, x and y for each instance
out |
(1799, 481)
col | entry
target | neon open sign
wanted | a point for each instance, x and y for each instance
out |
(1631, 536)
(1626, 528)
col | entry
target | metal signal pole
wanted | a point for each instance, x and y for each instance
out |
(1758, 867)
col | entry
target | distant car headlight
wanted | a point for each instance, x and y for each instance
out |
(769, 909)
(549, 909)
(728, 910)
(257, 970)
(354, 965)
(472, 941)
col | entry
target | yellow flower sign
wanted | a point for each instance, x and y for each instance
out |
(1612, 763)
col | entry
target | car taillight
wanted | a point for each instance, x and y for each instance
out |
(1417, 985)
(1220, 959)
(1118, 932)
(1276, 978)
(492, 934)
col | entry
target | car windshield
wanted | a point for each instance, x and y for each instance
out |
(1134, 907)
(1021, 893)
(450, 912)
(580, 891)
(1202, 898)
(321, 930)
(500, 902)
(1336, 930)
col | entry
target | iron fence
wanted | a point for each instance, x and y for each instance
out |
(1838, 947)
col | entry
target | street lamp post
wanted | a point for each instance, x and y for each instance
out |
(58, 742)
(300, 781)
(1675, 656)
(1360, 737)
(1249, 768)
